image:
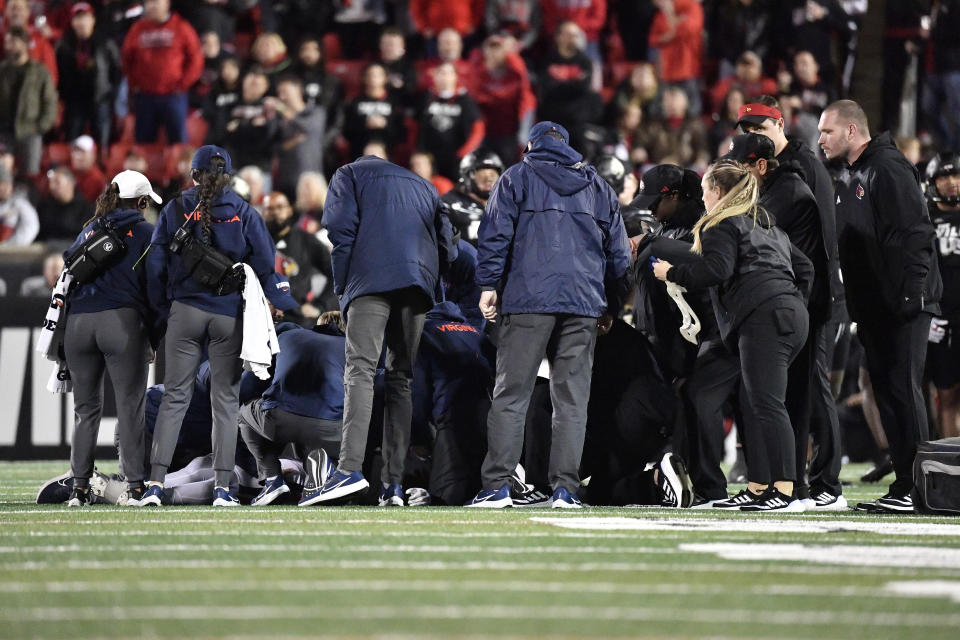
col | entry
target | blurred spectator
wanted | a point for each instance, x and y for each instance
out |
(311, 194)
(215, 16)
(358, 25)
(213, 55)
(18, 218)
(376, 147)
(810, 25)
(320, 87)
(430, 17)
(806, 91)
(134, 161)
(42, 285)
(748, 75)
(269, 52)
(449, 49)
(62, 213)
(941, 91)
(679, 138)
(738, 26)
(161, 60)
(17, 14)
(183, 179)
(83, 162)
(422, 164)
(116, 17)
(590, 15)
(639, 86)
(520, 18)
(299, 20)
(725, 119)
(564, 83)
(901, 35)
(28, 101)
(375, 113)
(450, 123)
(401, 76)
(300, 134)
(502, 91)
(223, 97)
(258, 182)
(90, 67)
(250, 133)
(302, 259)
(911, 150)
(623, 134)
(677, 31)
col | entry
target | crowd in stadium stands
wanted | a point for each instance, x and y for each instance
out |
(295, 89)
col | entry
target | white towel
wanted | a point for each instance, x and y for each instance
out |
(50, 342)
(259, 337)
(691, 323)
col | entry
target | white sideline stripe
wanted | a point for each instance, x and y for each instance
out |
(926, 589)
(274, 533)
(442, 565)
(745, 525)
(322, 548)
(850, 554)
(480, 612)
(494, 585)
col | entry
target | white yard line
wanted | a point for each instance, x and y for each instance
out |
(847, 554)
(335, 548)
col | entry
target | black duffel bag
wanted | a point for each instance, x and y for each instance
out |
(936, 476)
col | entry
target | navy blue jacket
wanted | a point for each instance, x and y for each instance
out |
(552, 238)
(119, 286)
(460, 285)
(308, 373)
(454, 370)
(238, 232)
(386, 228)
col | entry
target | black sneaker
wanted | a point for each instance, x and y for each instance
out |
(79, 498)
(745, 497)
(532, 498)
(132, 497)
(674, 483)
(824, 500)
(881, 470)
(892, 503)
(773, 500)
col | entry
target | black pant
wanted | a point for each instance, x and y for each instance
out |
(824, 422)
(895, 357)
(770, 339)
(715, 378)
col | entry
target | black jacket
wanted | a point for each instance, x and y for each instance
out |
(885, 236)
(791, 203)
(815, 174)
(746, 264)
(88, 71)
(943, 36)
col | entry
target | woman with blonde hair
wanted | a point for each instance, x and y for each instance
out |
(759, 282)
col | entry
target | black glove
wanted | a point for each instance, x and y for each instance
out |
(911, 303)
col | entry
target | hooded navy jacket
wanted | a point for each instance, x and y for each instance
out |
(460, 285)
(308, 373)
(552, 238)
(237, 231)
(387, 230)
(121, 285)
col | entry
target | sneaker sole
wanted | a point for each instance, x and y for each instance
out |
(270, 497)
(492, 504)
(888, 508)
(543, 504)
(392, 501)
(677, 476)
(795, 506)
(840, 504)
(150, 502)
(560, 504)
(220, 502)
(339, 492)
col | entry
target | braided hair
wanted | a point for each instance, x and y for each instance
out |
(210, 184)
(740, 192)
(110, 200)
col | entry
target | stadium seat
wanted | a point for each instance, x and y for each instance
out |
(350, 73)
(197, 129)
(331, 46)
(56, 153)
(127, 129)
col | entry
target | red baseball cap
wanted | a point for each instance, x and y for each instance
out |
(81, 7)
(756, 113)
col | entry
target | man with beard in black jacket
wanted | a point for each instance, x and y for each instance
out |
(764, 117)
(888, 255)
(789, 200)
(711, 372)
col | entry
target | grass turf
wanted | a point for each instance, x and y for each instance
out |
(109, 572)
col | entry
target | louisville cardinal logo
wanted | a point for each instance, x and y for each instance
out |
(860, 192)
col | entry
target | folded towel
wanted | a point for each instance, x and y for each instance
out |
(259, 337)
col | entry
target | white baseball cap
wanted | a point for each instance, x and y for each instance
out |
(85, 142)
(133, 184)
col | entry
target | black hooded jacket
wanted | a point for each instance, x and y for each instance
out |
(885, 236)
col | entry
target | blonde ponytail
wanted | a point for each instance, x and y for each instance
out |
(740, 193)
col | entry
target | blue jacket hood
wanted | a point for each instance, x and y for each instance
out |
(446, 311)
(559, 165)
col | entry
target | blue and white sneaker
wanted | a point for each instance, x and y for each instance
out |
(222, 497)
(563, 499)
(153, 497)
(391, 495)
(273, 488)
(339, 485)
(56, 490)
(489, 499)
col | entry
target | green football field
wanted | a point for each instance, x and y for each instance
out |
(284, 572)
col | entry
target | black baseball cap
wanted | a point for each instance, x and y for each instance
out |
(657, 182)
(750, 147)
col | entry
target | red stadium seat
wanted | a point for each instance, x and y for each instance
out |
(196, 129)
(350, 73)
(331, 46)
(56, 153)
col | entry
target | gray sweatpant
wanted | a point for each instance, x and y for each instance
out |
(188, 329)
(395, 317)
(268, 431)
(116, 341)
(524, 340)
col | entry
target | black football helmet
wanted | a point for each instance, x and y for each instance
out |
(943, 164)
(612, 170)
(478, 159)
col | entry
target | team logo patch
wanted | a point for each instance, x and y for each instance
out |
(860, 192)
(108, 246)
(641, 186)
